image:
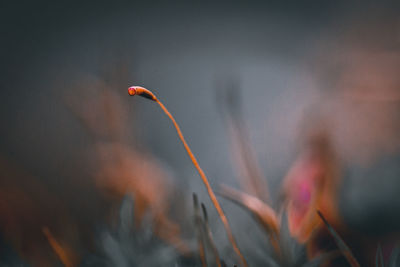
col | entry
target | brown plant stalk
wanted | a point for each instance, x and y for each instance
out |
(137, 90)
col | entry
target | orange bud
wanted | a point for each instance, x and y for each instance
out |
(138, 90)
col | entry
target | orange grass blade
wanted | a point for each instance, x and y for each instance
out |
(265, 215)
(137, 90)
(57, 248)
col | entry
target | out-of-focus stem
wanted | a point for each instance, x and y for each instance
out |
(57, 248)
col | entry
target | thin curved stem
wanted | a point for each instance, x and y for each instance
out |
(206, 183)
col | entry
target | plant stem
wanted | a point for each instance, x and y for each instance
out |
(206, 183)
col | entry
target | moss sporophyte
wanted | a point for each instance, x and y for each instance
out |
(141, 91)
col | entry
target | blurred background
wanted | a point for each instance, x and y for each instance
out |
(74, 145)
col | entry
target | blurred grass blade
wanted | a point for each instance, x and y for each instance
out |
(208, 252)
(262, 211)
(57, 248)
(209, 239)
(264, 214)
(251, 177)
(379, 257)
(340, 243)
(323, 258)
(394, 257)
(199, 230)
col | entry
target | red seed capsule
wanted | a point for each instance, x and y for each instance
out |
(138, 90)
(132, 91)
